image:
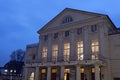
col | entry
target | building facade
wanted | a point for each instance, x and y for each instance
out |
(75, 45)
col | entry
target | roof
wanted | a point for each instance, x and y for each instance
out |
(79, 11)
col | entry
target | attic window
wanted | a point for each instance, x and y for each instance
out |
(67, 19)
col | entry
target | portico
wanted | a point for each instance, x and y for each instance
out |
(68, 72)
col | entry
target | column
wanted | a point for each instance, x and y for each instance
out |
(49, 73)
(97, 72)
(86, 42)
(62, 73)
(37, 73)
(49, 54)
(60, 46)
(26, 72)
(72, 46)
(78, 73)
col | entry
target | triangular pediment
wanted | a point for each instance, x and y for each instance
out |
(76, 15)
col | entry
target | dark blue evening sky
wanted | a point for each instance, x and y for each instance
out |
(21, 19)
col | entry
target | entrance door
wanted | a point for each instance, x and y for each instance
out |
(82, 70)
(54, 74)
(82, 76)
(67, 76)
(43, 74)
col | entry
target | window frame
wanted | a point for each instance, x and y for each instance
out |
(67, 19)
(80, 50)
(45, 37)
(79, 30)
(67, 33)
(55, 35)
(44, 53)
(66, 51)
(54, 52)
(95, 48)
(94, 28)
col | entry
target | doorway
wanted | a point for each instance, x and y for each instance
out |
(67, 74)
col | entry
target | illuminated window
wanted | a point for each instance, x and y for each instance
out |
(80, 50)
(66, 51)
(54, 52)
(32, 76)
(43, 71)
(82, 70)
(54, 70)
(92, 70)
(44, 53)
(95, 49)
(67, 70)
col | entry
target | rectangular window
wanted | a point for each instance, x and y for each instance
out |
(54, 52)
(94, 28)
(79, 31)
(46, 37)
(44, 54)
(66, 51)
(95, 49)
(67, 33)
(82, 70)
(55, 35)
(80, 50)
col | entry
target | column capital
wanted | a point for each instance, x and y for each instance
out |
(78, 65)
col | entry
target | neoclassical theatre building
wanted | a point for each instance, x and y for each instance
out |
(75, 45)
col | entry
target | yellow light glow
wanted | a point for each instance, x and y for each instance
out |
(82, 70)
(43, 71)
(93, 70)
(54, 70)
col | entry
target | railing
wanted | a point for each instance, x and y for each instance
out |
(67, 58)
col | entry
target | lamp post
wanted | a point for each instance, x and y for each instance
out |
(11, 74)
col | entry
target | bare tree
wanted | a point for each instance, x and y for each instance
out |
(17, 55)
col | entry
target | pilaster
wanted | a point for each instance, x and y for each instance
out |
(49, 73)
(78, 73)
(37, 73)
(26, 73)
(62, 73)
(97, 72)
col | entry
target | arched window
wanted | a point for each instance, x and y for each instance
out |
(32, 76)
(67, 19)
